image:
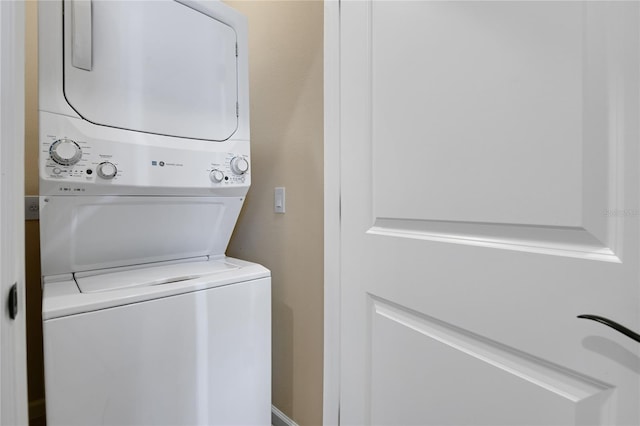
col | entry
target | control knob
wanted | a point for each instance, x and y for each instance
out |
(239, 165)
(107, 170)
(65, 152)
(216, 176)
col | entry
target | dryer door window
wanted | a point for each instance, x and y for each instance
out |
(151, 66)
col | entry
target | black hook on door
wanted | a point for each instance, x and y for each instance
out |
(606, 321)
(12, 301)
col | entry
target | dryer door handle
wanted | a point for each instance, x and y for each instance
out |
(81, 34)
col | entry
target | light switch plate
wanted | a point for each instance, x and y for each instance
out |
(279, 200)
(31, 207)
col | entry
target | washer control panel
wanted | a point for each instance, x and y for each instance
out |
(227, 172)
(73, 165)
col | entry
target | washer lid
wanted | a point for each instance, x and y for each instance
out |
(151, 276)
(157, 67)
(61, 296)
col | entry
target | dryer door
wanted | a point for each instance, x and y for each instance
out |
(157, 67)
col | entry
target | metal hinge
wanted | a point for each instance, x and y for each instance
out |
(236, 50)
(237, 109)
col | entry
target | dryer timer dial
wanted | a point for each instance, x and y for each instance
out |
(65, 152)
(239, 165)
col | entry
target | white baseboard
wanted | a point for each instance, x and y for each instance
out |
(278, 418)
(36, 408)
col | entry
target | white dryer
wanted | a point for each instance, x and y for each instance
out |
(144, 166)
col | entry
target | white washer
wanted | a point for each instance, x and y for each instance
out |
(144, 166)
(181, 353)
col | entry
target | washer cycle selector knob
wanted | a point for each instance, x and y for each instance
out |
(216, 176)
(239, 165)
(107, 170)
(65, 152)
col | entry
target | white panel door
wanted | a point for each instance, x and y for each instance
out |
(489, 195)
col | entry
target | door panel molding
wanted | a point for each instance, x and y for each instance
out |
(556, 241)
(496, 213)
(480, 363)
(554, 378)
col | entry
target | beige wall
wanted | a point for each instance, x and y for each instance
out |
(35, 368)
(285, 43)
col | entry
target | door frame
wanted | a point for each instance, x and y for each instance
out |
(13, 354)
(332, 223)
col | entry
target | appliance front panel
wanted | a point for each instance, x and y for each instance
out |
(198, 358)
(89, 233)
(159, 67)
(118, 162)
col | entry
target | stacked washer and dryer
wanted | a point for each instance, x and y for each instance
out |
(144, 167)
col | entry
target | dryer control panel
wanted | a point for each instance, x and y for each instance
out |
(74, 163)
